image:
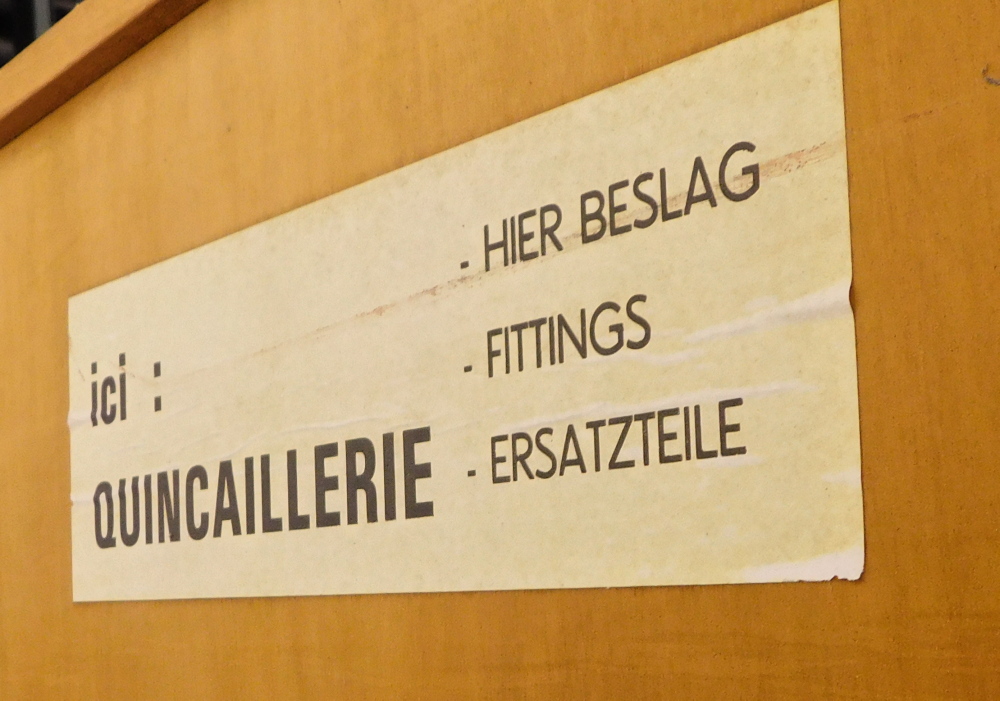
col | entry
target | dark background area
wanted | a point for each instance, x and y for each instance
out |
(22, 21)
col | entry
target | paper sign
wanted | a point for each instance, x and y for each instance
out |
(608, 346)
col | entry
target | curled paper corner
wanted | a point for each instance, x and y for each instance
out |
(847, 565)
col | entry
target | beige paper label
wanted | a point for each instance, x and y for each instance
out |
(608, 346)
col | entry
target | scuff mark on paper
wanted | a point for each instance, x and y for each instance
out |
(826, 303)
(846, 564)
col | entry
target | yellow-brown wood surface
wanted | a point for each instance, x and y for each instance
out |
(249, 108)
(73, 54)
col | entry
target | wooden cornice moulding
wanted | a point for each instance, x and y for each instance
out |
(76, 51)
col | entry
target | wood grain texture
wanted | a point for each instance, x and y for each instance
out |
(248, 108)
(77, 51)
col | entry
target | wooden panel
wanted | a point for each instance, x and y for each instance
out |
(75, 53)
(247, 108)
